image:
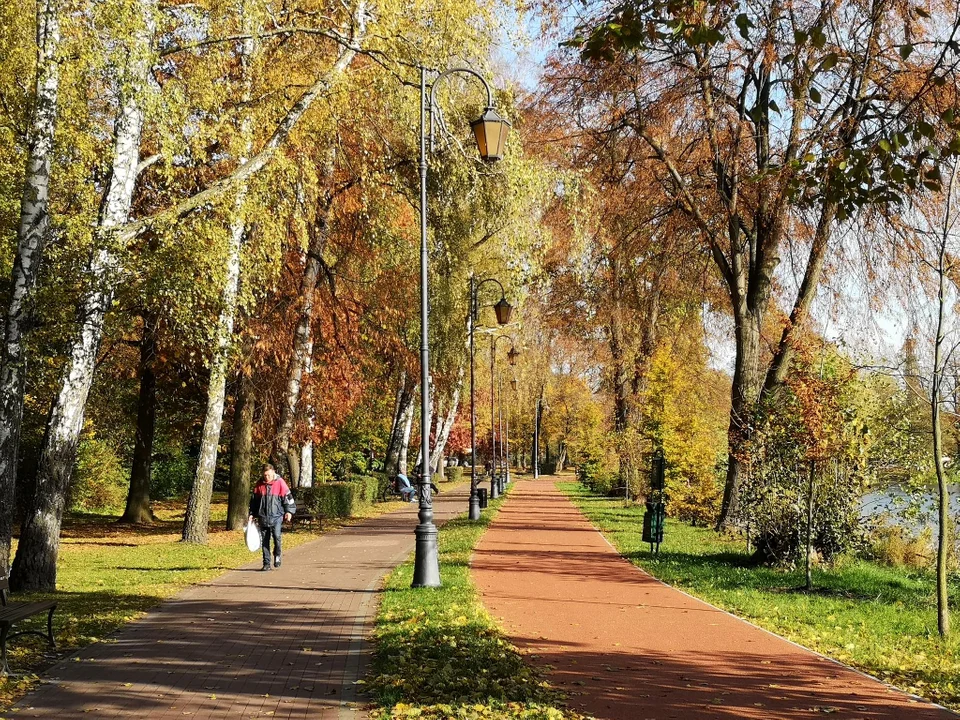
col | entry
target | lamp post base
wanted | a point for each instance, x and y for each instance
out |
(494, 487)
(426, 568)
(474, 506)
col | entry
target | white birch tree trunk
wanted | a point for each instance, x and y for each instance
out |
(446, 425)
(404, 401)
(34, 567)
(303, 340)
(306, 464)
(32, 236)
(430, 408)
(198, 506)
(197, 517)
(405, 439)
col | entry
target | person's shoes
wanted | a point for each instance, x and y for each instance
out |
(265, 568)
(276, 561)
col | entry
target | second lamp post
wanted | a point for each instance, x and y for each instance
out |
(503, 310)
(495, 486)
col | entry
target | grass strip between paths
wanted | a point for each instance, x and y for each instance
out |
(440, 655)
(878, 619)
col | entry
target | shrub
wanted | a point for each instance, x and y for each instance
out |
(368, 488)
(101, 482)
(341, 499)
(592, 473)
(893, 545)
(454, 474)
(171, 475)
(383, 483)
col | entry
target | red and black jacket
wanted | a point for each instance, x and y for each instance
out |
(271, 500)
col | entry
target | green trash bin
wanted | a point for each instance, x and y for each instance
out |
(653, 521)
(482, 495)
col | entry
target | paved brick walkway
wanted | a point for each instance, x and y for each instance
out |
(284, 644)
(627, 647)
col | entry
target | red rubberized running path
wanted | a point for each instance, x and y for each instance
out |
(627, 647)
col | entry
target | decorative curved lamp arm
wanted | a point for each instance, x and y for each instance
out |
(490, 129)
(502, 307)
(433, 95)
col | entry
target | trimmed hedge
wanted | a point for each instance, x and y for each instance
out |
(369, 487)
(454, 474)
(340, 499)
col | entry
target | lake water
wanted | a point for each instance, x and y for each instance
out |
(892, 501)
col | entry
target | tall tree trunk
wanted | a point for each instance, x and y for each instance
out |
(403, 405)
(943, 489)
(445, 427)
(429, 423)
(197, 517)
(293, 466)
(303, 340)
(306, 464)
(138, 498)
(405, 440)
(32, 236)
(35, 566)
(198, 506)
(238, 496)
(743, 395)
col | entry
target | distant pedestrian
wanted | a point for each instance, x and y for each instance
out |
(404, 487)
(271, 504)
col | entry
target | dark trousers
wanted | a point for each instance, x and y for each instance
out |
(268, 530)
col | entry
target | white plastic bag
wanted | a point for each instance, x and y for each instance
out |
(251, 534)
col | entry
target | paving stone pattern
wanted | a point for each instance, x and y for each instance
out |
(289, 643)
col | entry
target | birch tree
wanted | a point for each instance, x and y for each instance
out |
(197, 517)
(303, 338)
(34, 567)
(33, 234)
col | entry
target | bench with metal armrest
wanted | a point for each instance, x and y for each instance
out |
(13, 612)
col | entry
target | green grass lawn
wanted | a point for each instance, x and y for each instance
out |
(440, 655)
(879, 619)
(109, 574)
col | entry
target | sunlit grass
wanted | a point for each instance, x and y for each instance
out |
(879, 619)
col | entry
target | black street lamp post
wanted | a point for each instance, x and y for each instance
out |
(503, 311)
(495, 487)
(512, 354)
(535, 450)
(490, 131)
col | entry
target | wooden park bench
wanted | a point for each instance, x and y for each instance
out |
(13, 612)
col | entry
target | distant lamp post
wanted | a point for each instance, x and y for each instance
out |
(491, 132)
(503, 310)
(495, 486)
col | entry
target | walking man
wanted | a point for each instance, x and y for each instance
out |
(271, 504)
